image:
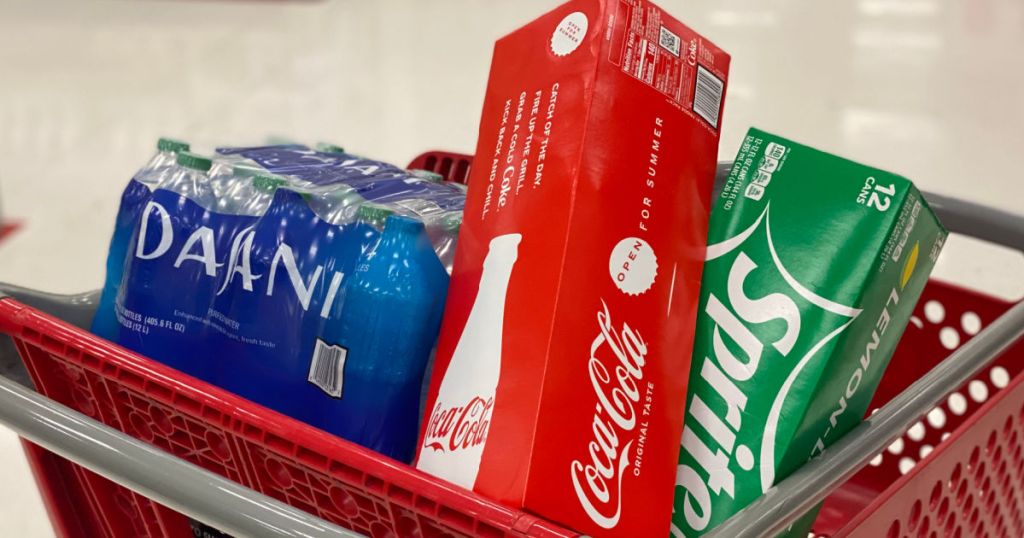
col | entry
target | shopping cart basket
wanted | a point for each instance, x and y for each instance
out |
(124, 446)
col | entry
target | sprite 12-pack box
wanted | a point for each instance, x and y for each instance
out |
(813, 267)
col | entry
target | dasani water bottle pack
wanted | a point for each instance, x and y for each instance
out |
(311, 282)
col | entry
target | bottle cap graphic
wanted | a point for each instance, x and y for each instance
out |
(633, 265)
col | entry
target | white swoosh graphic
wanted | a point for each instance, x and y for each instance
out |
(719, 249)
(814, 298)
(770, 427)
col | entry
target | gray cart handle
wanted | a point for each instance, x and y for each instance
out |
(233, 508)
(174, 482)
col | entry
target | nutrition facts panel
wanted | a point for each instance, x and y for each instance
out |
(649, 51)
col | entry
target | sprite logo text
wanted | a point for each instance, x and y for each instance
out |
(755, 317)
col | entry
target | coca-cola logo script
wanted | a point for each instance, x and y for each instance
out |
(598, 484)
(457, 428)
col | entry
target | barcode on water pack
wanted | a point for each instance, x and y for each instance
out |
(669, 41)
(327, 370)
(707, 97)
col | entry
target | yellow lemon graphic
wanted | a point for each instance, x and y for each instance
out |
(908, 266)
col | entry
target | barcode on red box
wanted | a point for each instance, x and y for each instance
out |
(707, 97)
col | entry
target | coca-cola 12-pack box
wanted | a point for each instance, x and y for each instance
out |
(561, 369)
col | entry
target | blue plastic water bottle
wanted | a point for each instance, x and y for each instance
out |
(134, 197)
(174, 269)
(373, 359)
(281, 280)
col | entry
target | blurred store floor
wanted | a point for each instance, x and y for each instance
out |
(928, 88)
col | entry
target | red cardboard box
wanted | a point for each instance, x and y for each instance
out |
(560, 376)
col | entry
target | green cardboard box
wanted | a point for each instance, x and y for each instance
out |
(813, 267)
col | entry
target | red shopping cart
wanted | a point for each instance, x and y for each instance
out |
(940, 456)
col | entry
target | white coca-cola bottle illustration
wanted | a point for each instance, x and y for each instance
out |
(457, 427)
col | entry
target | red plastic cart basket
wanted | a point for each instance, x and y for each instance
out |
(957, 471)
